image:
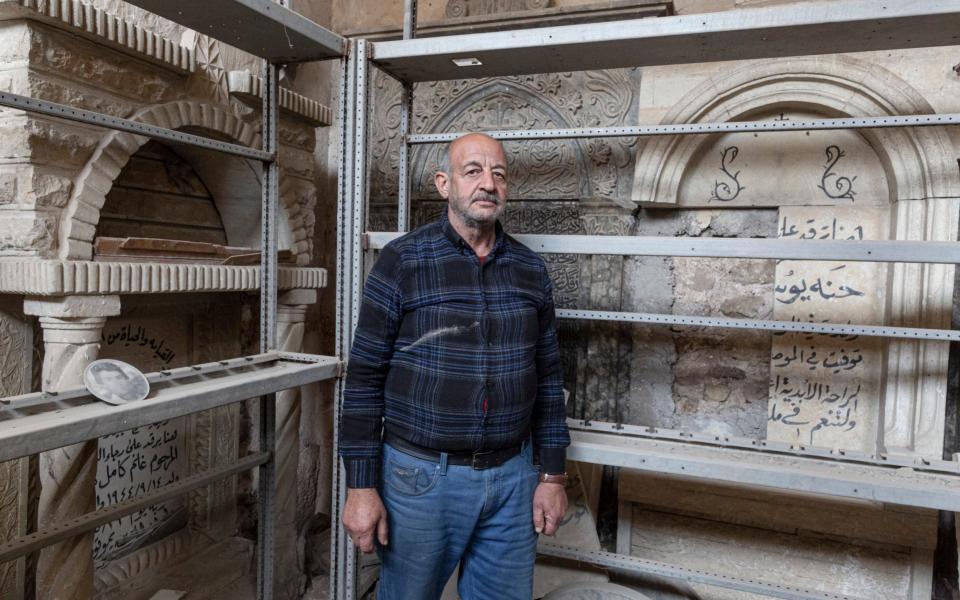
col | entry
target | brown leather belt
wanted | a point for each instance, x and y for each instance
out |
(478, 460)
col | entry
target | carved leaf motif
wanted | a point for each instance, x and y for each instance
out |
(12, 353)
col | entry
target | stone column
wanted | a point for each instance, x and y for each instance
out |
(71, 338)
(603, 373)
(288, 566)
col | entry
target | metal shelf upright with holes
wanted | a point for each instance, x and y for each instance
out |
(40, 421)
(795, 30)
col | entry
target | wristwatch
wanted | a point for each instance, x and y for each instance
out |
(560, 478)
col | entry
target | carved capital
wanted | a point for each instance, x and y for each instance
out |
(604, 217)
(68, 307)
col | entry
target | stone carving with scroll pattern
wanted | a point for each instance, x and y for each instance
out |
(547, 169)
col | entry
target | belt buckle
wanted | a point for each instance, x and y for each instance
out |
(480, 467)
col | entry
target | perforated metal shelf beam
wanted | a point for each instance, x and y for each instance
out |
(87, 117)
(763, 325)
(800, 29)
(700, 128)
(263, 28)
(34, 423)
(648, 567)
(906, 251)
(894, 485)
(769, 446)
(61, 531)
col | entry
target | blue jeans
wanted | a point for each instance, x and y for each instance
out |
(442, 514)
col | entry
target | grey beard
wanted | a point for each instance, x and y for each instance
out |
(472, 222)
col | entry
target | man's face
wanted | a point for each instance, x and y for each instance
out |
(113, 380)
(476, 187)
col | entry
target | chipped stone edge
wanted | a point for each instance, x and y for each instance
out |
(249, 88)
(62, 278)
(102, 26)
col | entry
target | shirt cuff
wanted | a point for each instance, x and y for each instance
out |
(362, 472)
(553, 460)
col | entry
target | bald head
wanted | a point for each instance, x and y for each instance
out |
(445, 160)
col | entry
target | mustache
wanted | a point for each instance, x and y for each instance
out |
(484, 196)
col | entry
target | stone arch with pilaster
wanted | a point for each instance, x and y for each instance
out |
(922, 203)
(81, 215)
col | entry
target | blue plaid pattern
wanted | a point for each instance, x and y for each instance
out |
(452, 354)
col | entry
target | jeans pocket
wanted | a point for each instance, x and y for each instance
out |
(411, 480)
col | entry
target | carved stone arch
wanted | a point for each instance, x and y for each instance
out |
(82, 213)
(426, 158)
(919, 162)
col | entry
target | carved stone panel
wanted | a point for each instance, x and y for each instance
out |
(16, 354)
(463, 8)
(158, 333)
(540, 169)
(142, 459)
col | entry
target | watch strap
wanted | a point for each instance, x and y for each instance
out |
(560, 478)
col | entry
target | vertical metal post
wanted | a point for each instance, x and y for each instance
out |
(409, 19)
(339, 546)
(406, 118)
(268, 328)
(357, 223)
(403, 195)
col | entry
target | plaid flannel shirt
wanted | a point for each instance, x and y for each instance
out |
(452, 354)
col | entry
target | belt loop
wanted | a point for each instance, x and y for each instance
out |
(443, 463)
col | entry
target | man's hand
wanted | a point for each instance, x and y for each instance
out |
(549, 507)
(364, 515)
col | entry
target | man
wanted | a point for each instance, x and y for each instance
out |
(456, 365)
(111, 384)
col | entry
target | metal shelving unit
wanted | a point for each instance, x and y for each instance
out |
(37, 422)
(804, 29)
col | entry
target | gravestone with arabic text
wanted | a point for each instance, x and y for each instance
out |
(825, 389)
(142, 459)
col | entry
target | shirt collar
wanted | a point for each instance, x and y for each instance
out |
(460, 244)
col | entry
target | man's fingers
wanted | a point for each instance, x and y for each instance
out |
(538, 520)
(551, 525)
(364, 542)
(382, 531)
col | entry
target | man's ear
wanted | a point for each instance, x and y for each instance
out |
(442, 181)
